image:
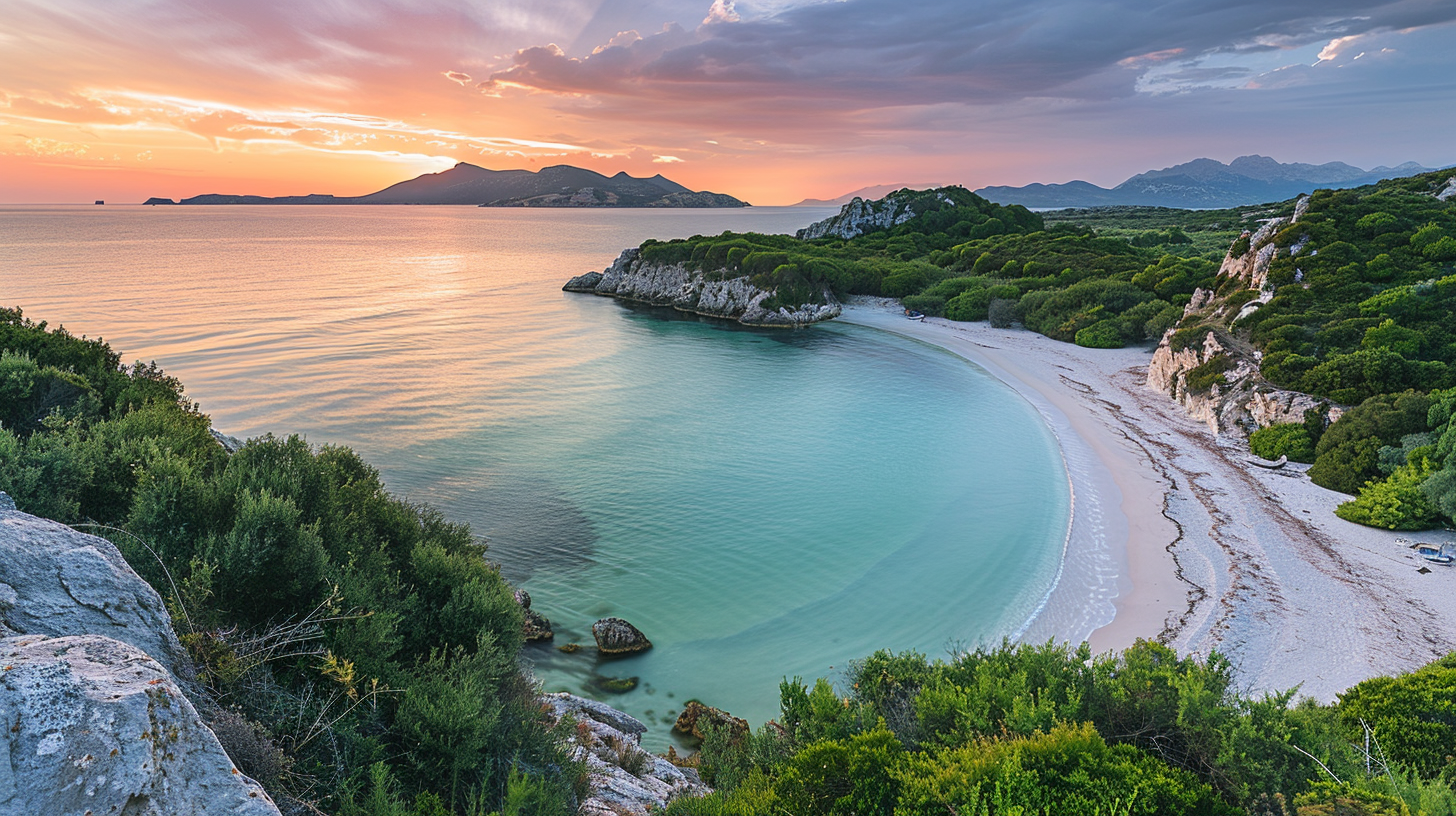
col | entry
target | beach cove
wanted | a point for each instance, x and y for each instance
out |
(1207, 552)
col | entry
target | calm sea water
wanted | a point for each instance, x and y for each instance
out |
(760, 503)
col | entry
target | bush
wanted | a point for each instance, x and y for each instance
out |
(1394, 504)
(1001, 312)
(1413, 716)
(1291, 439)
(1203, 377)
(1104, 335)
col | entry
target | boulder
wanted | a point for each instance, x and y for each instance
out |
(583, 283)
(534, 625)
(616, 636)
(55, 581)
(696, 715)
(96, 726)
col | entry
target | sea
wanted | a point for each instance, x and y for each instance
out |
(763, 504)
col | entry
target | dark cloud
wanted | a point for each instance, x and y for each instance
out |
(890, 52)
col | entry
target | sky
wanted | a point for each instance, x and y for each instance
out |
(772, 101)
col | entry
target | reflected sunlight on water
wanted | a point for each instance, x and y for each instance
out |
(760, 503)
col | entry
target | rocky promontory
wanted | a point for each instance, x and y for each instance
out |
(722, 293)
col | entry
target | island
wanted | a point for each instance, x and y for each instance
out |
(466, 184)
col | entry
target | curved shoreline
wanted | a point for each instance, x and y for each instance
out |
(1091, 589)
(1206, 551)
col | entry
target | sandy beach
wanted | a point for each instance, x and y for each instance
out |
(1175, 536)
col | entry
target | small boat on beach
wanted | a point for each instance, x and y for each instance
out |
(1443, 554)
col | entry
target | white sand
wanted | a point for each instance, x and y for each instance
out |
(1176, 537)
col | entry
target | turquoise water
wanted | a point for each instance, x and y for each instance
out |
(760, 503)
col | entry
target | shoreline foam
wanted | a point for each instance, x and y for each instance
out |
(1175, 537)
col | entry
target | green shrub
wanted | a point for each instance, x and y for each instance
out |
(1396, 503)
(1203, 377)
(1105, 334)
(1413, 716)
(1290, 439)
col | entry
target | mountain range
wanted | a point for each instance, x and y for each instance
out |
(1203, 183)
(558, 186)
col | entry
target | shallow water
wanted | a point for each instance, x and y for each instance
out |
(761, 503)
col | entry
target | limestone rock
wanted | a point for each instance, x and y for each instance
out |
(55, 581)
(583, 283)
(534, 625)
(96, 726)
(625, 780)
(616, 636)
(690, 290)
(695, 716)
(860, 216)
(1449, 192)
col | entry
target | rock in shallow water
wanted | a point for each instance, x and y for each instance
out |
(616, 636)
(534, 625)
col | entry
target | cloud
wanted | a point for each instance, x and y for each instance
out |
(458, 76)
(872, 53)
(722, 11)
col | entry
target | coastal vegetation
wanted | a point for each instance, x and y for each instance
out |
(1054, 729)
(357, 653)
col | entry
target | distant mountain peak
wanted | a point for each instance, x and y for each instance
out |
(1203, 183)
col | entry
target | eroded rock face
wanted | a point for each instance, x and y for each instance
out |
(616, 636)
(690, 290)
(625, 779)
(55, 581)
(1244, 401)
(93, 725)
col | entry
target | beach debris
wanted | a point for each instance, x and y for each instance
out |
(1267, 465)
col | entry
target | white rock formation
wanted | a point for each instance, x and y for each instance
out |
(94, 719)
(860, 216)
(93, 725)
(1449, 192)
(736, 298)
(55, 581)
(625, 779)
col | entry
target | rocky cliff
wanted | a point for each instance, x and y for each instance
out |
(95, 716)
(631, 277)
(1215, 376)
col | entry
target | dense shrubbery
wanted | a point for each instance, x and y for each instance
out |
(366, 637)
(1291, 440)
(1053, 730)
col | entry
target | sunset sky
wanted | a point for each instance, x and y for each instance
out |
(771, 101)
